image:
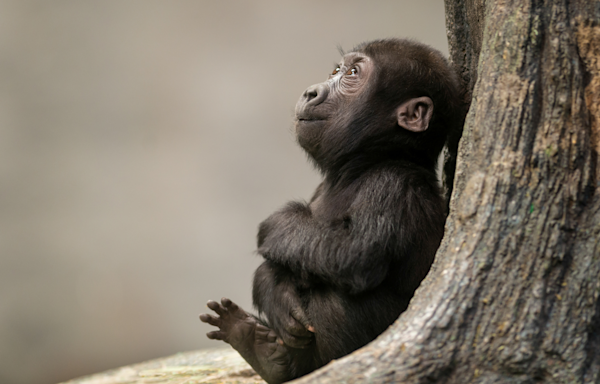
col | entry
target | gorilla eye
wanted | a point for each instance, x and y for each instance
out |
(351, 72)
(335, 71)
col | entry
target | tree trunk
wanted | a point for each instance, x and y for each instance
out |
(513, 295)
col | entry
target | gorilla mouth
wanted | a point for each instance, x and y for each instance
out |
(309, 119)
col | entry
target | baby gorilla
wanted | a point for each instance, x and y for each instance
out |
(341, 268)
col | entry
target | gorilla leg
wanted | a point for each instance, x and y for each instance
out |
(341, 322)
(318, 324)
(275, 295)
(344, 323)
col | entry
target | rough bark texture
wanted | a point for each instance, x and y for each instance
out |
(464, 24)
(513, 295)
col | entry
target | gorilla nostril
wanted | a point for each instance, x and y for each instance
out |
(315, 94)
(311, 93)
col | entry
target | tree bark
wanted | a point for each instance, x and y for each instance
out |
(514, 292)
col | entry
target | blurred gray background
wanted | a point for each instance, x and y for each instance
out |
(141, 143)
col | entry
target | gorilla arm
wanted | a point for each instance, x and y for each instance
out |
(275, 296)
(353, 252)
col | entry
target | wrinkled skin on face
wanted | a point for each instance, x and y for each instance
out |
(333, 103)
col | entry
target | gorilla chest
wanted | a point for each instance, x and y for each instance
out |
(333, 208)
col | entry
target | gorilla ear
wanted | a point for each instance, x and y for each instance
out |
(415, 114)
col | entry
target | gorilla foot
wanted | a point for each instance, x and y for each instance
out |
(257, 344)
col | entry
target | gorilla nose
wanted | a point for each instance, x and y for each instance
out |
(315, 94)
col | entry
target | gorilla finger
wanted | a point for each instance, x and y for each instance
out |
(271, 336)
(230, 305)
(263, 333)
(299, 314)
(295, 328)
(212, 320)
(295, 342)
(262, 328)
(298, 331)
(216, 307)
(216, 335)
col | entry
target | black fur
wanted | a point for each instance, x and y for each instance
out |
(341, 268)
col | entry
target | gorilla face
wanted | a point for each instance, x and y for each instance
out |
(325, 109)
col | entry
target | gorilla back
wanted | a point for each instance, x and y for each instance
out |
(340, 268)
